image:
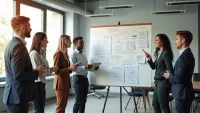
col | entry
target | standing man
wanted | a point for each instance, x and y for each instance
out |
(20, 76)
(80, 80)
(181, 79)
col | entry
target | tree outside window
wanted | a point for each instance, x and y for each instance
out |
(6, 13)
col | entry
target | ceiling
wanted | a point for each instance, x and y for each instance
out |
(89, 0)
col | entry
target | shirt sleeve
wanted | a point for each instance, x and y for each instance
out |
(35, 59)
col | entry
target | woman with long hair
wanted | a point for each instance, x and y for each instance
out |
(62, 78)
(38, 58)
(163, 63)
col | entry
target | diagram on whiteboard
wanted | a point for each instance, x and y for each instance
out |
(119, 50)
(101, 45)
(122, 60)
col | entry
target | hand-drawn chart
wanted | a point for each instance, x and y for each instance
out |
(119, 49)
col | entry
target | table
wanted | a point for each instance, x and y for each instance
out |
(196, 86)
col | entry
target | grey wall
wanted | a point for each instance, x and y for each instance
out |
(168, 23)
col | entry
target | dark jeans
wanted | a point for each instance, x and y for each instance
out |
(39, 101)
(161, 100)
(183, 106)
(17, 108)
(80, 85)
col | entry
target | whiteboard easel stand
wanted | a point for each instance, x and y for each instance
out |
(108, 89)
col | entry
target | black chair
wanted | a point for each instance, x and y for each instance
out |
(196, 77)
(138, 93)
(93, 88)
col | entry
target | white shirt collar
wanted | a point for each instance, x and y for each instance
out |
(159, 52)
(181, 51)
(20, 38)
(78, 51)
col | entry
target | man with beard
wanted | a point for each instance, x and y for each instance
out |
(20, 76)
(80, 80)
(181, 79)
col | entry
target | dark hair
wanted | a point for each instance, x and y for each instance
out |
(36, 41)
(165, 43)
(75, 40)
(187, 35)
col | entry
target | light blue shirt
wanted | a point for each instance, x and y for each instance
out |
(76, 57)
(181, 51)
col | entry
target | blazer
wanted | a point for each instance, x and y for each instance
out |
(181, 80)
(62, 77)
(20, 76)
(161, 64)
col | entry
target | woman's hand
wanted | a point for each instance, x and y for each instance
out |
(53, 69)
(148, 56)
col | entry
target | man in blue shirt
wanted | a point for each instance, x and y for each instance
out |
(80, 80)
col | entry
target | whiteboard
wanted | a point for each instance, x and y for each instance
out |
(119, 49)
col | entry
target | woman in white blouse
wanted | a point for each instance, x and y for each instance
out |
(38, 58)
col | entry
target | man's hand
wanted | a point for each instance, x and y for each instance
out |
(88, 66)
(96, 68)
(41, 70)
(72, 67)
(166, 75)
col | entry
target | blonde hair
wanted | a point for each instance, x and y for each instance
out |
(62, 45)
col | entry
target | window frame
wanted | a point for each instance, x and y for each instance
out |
(16, 8)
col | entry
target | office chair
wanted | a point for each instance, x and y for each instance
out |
(138, 93)
(93, 88)
(196, 77)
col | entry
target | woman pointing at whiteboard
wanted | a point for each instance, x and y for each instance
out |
(163, 63)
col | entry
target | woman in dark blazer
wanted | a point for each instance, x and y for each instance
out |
(62, 77)
(163, 63)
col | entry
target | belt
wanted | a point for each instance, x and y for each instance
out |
(83, 76)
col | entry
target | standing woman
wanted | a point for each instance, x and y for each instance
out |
(38, 58)
(62, 77)
(163, 63)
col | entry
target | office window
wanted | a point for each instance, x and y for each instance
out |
(36, 20)
(6, 33)
(54, 30)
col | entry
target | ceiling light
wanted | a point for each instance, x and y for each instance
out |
(116, 7)
(183, 2)
(169, 12)
(99, 15)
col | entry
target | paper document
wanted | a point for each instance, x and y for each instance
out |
(132, 74)
(143, 39)
(141, 59)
